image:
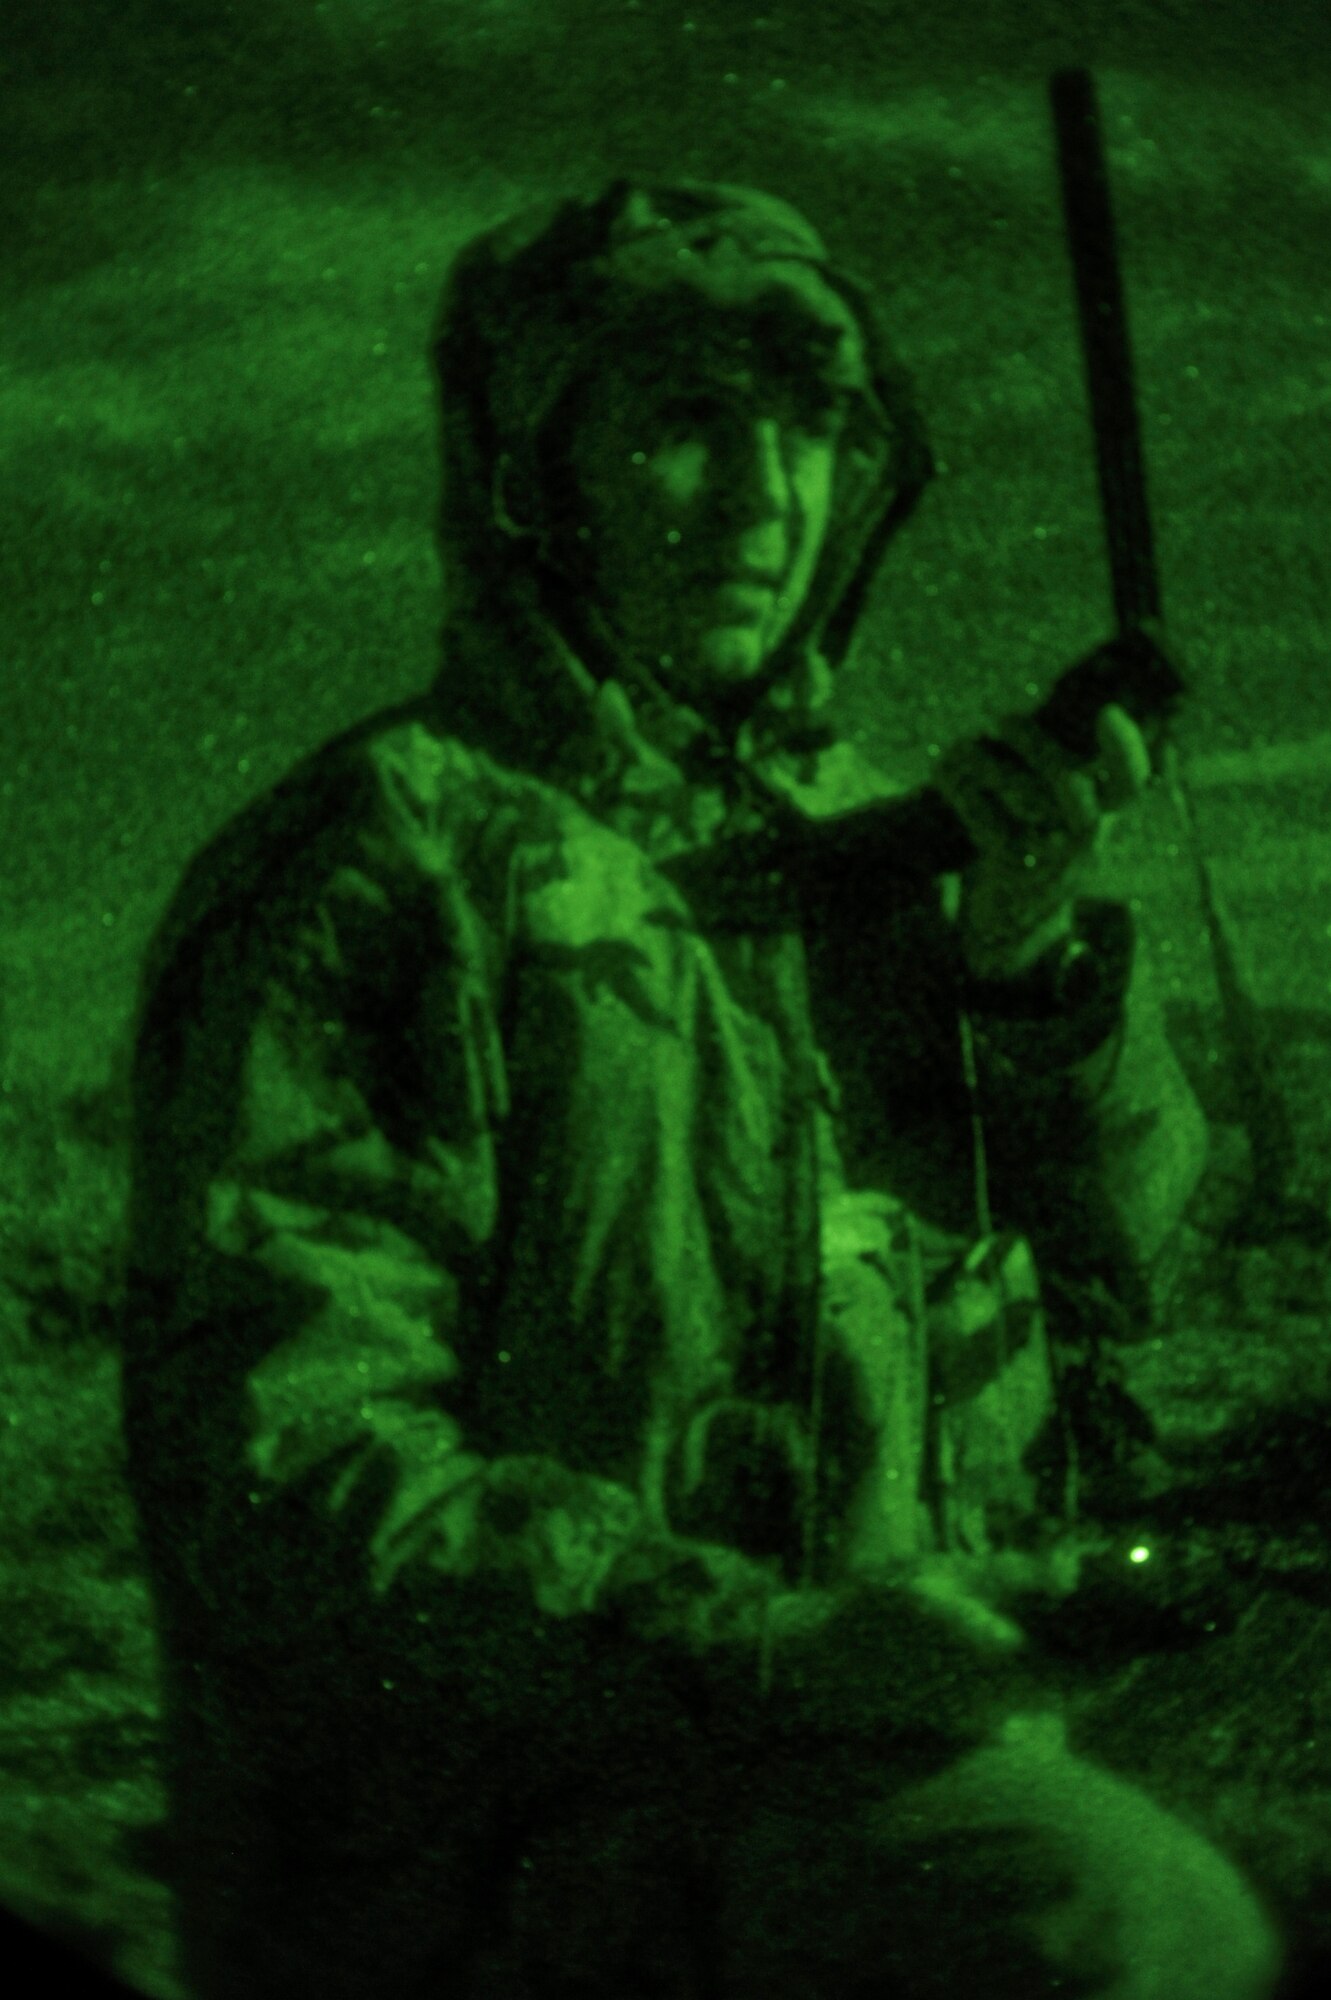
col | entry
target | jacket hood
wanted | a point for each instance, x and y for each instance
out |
(529, 310)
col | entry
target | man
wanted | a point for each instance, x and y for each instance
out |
(529, 1387)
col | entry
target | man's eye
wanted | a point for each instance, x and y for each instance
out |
(694, 415)
(691, 413)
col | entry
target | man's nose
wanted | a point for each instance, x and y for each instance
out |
(753, 472)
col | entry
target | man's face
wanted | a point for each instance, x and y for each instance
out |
(705, 507)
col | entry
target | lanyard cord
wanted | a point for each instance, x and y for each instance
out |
(983, 1214)
(985, 1223)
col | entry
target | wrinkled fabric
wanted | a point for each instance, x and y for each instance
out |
(532, 1213)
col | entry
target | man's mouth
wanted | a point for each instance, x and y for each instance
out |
(742, 582)
(742, 596)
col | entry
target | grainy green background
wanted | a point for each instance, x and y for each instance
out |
(226, 228)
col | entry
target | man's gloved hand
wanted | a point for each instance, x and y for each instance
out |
(1036, 822)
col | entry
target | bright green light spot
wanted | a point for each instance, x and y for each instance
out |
(1139, 1554)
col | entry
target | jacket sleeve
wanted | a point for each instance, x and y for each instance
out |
(318, 1191)
(1093, 1140)
(1077, 1067)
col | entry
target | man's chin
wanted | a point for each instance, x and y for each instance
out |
(729, 690)
(731, 656)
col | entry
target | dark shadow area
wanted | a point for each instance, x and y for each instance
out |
(1247, 1514)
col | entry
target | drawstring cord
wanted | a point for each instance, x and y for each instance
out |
(985, 1224)
(918, 1306)
(980, 1168)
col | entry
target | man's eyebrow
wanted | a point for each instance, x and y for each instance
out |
(769, 387)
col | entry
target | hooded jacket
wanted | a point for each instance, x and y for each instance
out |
(532, 1195)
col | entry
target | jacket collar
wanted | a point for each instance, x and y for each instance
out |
(633, 753)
